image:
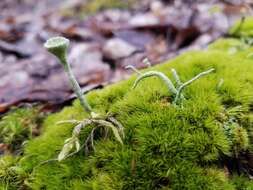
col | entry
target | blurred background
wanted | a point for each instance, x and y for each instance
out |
(106, 35)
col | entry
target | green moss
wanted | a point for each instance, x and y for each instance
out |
(11, 176)
(18, 126)
(232, 46)
(242, 183)
(93, 6)
(166, 147)
(243, 28)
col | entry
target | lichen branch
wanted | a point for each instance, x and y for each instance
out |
(58, 46)
(147, 62)
(177, 78)
(73, 141)
(160, 75)
(180, 89)
(133, 68)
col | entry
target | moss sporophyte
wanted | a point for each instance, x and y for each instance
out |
(58, 46)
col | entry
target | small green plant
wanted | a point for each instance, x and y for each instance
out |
(58, 46)
(237, 135)
(19, 125)
(175, 90)
(242, 182)
(11, 176)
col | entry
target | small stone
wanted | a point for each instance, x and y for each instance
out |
(143, 20)
(117, 48)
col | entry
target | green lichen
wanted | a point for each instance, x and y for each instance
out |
(177, 89)
(58, 47)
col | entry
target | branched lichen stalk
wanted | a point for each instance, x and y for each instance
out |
(180, 89)
(160, 75)
(178, 81)
(133, 68)
(147, 62)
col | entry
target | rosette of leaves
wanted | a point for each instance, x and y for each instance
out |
(58, 46)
